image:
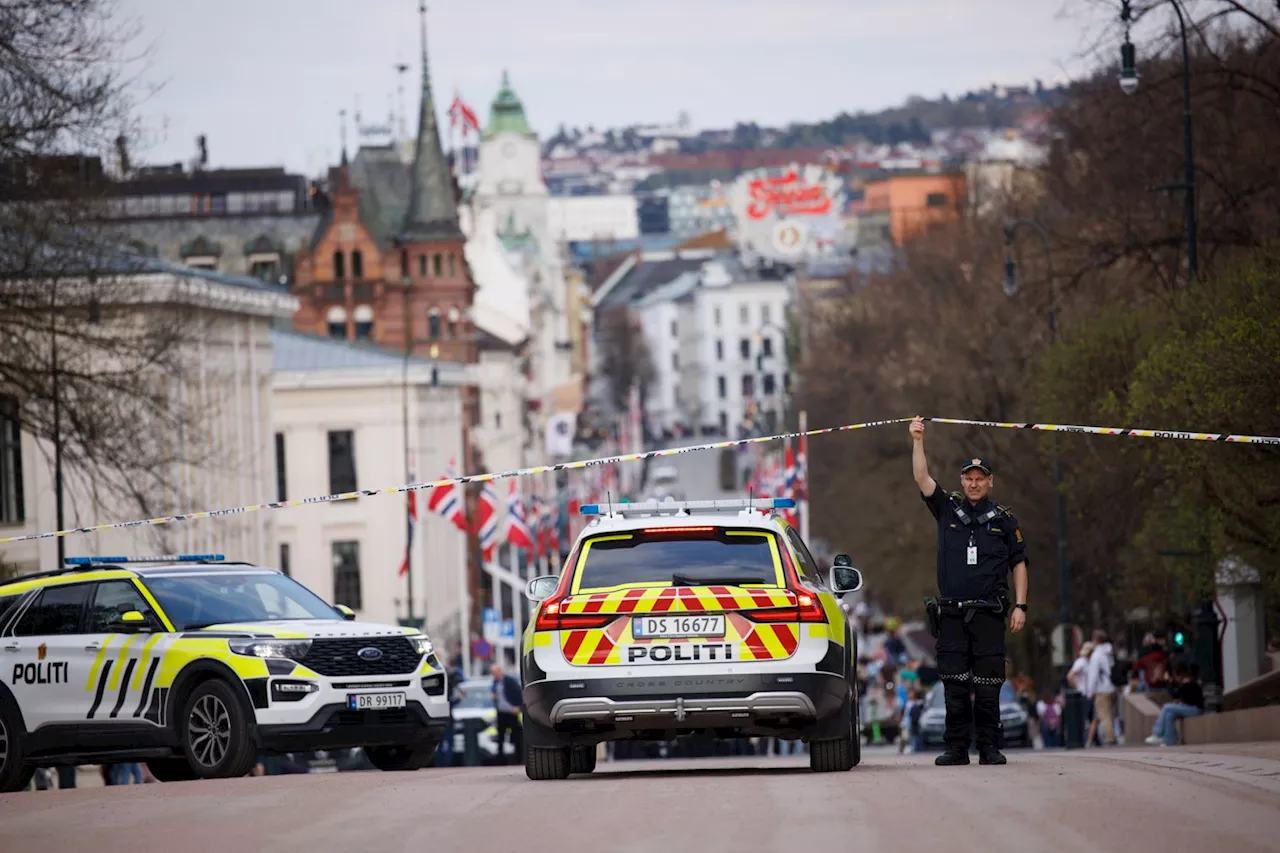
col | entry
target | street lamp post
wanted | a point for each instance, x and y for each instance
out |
(1129, 84)
(1011, 289)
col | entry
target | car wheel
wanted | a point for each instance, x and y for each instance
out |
(215, 732)
(542, 763)
(856, 748)
(394, 758)
(582, 759)
(14, 774)
(835, 754)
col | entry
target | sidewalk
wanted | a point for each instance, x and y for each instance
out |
(1253, 764)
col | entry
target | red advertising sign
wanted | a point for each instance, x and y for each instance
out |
(788, 196)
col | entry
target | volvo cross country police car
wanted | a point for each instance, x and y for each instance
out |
(674, 617)
(196, 666)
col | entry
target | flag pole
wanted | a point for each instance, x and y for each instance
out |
(802, 478)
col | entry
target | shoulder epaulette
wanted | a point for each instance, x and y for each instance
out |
(1004, 509)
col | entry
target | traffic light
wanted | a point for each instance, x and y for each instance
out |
(1179, 640)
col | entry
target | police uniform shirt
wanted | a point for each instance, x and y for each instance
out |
(998, 540)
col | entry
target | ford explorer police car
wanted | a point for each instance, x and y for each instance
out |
(196, 666)
(673, 617)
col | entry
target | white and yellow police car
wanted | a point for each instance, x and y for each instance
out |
(673, 617)
(197, 666)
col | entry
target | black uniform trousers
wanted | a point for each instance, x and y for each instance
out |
(971, 658)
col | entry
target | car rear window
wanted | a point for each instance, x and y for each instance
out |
(725, 557)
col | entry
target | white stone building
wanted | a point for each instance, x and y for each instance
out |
(226, 437)
(715, 325)
(339, 423)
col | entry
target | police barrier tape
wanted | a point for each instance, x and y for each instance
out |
(635, 457)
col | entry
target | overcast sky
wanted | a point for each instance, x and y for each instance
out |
(265, 79)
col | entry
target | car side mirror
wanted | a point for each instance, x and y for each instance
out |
(844, 578)
(347, 612)
(541, 588)
(130, 622)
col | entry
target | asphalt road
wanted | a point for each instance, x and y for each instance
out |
(1048, 801)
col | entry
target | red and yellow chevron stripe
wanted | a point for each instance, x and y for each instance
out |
(685, 599)
(753, 642)
(770, 642)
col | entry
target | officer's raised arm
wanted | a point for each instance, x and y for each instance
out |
(919, 464)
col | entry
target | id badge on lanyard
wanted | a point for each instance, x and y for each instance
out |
(972, 553)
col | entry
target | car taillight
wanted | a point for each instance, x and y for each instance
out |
(809, 606)
(551, 618)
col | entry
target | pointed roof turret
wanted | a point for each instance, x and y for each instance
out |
(506, 114)
(432, 213)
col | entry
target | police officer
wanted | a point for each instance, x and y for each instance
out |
(979, 543)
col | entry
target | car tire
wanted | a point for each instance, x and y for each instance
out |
(836, 754)
(856, 748)
(401, 758)
(215, 732)
(15, 774)
(582, 759)
(543, 763)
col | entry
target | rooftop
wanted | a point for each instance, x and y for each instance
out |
(298, 352)
(506, 114)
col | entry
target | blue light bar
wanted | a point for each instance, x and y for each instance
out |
(590, 509)
(784, 503)
(167, 558)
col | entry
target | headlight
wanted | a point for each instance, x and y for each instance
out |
(422, 644)
(291, 649)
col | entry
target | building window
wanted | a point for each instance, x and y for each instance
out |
(716, 314)
(769, 385)
(719, 350)
(675, 329)
(786, 382)
(284, 560)
(364, 322)
(12, 508)
(433, 325)
(452, 328)
(936, 200)
(339, 266)
(357, 264)
(675, 361)
(268, 271)
(764, 314)
(744, 347)
(452, 267)
(422, 266)
(404, 263)
(281, 491)
(748, 385)
(435, 265)
(766, 346)
(722, 387)
(724, 424)
(342, 461)
(744, 314)
(337, 318)
(346, 574)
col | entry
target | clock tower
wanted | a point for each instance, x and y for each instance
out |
(509, 173)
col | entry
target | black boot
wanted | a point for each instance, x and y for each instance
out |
(992, 756)
(952, 757)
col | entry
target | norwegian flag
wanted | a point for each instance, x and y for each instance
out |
(789, 484)
(412, 523)
(517, 532)
(488, 521)
(446, 501)
(460, 112)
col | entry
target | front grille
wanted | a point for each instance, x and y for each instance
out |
(339, 656)
(361, 719)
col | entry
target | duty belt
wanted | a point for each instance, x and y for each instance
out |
(968, 607)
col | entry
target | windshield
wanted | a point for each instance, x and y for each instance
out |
(475, 695)
(719, 557)
(197, 600)
(1007, 695)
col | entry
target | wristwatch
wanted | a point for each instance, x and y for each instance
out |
(1021, 607)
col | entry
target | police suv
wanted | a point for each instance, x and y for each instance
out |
(196, 666)
(674, 617)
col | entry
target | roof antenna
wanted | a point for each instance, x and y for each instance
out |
(608, 502)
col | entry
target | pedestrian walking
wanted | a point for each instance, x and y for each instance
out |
(979, 544)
